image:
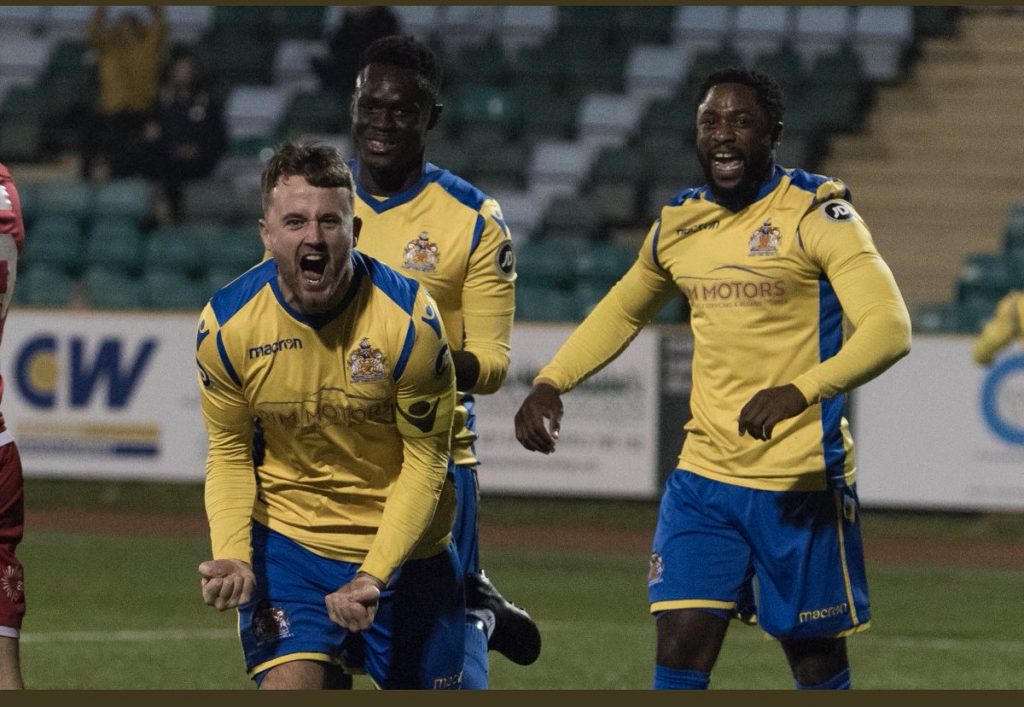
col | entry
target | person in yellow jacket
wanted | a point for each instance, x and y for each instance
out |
(1005, 327)
(129, 56)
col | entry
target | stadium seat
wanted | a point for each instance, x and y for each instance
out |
(450, 155)
(572, 218)
(548, 262)
(526, 25)
(22, 57)
(562, 163)
(315, 112)
(702, 27)
(488, 114)
(607, 119)
(292, 63)
(21, 140)
(602, 264)
(882, 35)
(761, 29)
(500, 167)
(614, 163)
(651, 24)
(176, 248)
(254, 111)
(44, 285)
(241, 56)
(935, 20)
(819, 29)
(467, 25)
(540, 303)
(22, 18)
(786, 67)
(188, 22)
(479, 65)
(296, 21)
(55, 241)
(984, 279)
(172, 289)
(545, 115)
(217, 200)
(615, 201)
(233, 249)
(107, 288)
(1013, 230)
(421, 21)
(115, 243)
(127, 198)
(940, 318)
(655, 71)
(65, 198)
(707, 61)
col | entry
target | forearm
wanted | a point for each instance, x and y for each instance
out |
(606, 332)
(410, 506)
(229, 494)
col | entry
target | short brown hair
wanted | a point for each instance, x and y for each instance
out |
(321, 166)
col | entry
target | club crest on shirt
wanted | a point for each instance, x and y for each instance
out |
(12, 582)
(765, 240)
(655, 569)
(270, 623)
(366, 364)
(420, 254)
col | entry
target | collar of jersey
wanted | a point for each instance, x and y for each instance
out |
(764, 191)
(317, 321)
(431, 173)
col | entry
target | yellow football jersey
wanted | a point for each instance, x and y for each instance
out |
(1006, 325)
(768, 287)
(452, 238)
(355, 412)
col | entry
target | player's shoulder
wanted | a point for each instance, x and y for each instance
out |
(819, 188)
(459, 189)
(232, 298)
(387, 281)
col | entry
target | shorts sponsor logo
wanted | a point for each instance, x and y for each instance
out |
(271, 349)
(12, 582)
(448, 682)
(366, 364)
(826, 613)
(420, 254)
(655, 569)
(765, 240)
(690, 230)
(270, 623)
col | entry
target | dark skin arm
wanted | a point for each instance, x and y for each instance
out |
(467, 370)
(767, 408)
(543, 403)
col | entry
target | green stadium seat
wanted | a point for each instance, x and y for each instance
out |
(544, 114)
(480, 65)
(548, 263)
(215, 200)
(615, 163)
(239, 53)
(987, 277)
(572, 218)
(55, 241)
(644, 24)
(106, 288)
(44, 285)
(450, 155)
(602, 264)
(234, 249)
(1013, 229)
(114, 243)
(175, 249)
(937, 318)
(500, 167)
(21, 140)
(539, 303)
(786, 67)
(172, 289)
(616, 201)
(486, 109)
(315, 113)
(65, 198)
(707, 61)
(123, 198)
(296, 21)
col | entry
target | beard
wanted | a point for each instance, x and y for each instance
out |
(756, 171)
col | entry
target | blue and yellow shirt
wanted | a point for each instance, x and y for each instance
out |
(355, 412)
(452, 238)
(768, 286)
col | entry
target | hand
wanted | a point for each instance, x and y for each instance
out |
(543, 403)
(769, 407)
(354, 606)
(226, 583)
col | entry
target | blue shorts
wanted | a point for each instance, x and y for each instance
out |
(465, 533)
(416, 641)
(793, 558)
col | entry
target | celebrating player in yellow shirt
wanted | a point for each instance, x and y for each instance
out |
(770, 259)
(1005, 326)
(338, 547)
(438, 229)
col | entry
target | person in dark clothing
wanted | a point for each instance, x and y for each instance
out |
(361, 25)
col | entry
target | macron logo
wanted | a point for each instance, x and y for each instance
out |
(269, 349)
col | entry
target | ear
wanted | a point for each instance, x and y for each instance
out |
(357, 224)
(264, 234)
(435, 115)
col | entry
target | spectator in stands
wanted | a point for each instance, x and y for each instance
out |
(1006, 325)
(360, 26)
(129, 54)
(772, 260)
(185, 136)
(12, 511)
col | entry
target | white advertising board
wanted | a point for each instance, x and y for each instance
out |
(104, 395)
(935, 431)
(608, 440)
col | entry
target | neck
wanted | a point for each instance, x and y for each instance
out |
(746, 193)
(382, 182)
